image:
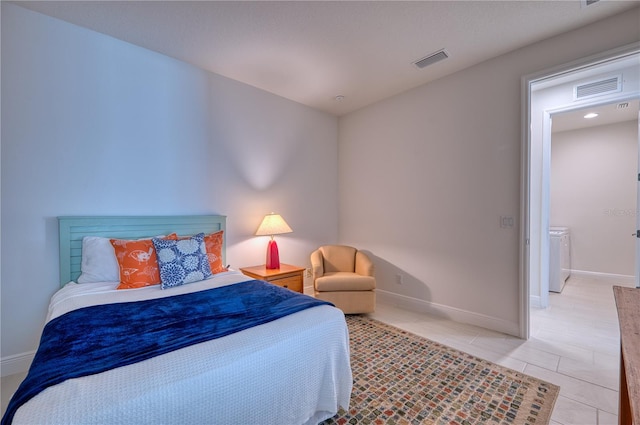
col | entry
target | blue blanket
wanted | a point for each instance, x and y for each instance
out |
(95, 339)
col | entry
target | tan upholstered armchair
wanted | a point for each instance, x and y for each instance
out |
(343, 276)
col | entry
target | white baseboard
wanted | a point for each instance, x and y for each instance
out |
(534, 301)
(455, 314)
(17, 363)
(622, 278)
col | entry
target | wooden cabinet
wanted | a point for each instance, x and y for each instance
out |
(287, 276)
(628, 307)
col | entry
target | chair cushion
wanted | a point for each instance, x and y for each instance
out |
(344, 281)
(338, 258)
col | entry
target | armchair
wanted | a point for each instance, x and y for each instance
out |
(344, 276)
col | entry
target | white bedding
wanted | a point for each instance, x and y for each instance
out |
(294, 370)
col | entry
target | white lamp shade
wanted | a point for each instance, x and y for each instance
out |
(273, 224)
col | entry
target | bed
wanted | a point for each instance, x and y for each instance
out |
(290, 368)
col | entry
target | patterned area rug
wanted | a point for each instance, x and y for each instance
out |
(401, 378)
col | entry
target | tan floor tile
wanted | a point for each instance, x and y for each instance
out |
(575, 389)
(603, 370)
(570, 412)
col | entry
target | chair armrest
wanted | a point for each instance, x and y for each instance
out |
(317, 264)
(364, 265)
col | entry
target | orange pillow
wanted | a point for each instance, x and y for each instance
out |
(213, 242)
(138, 262)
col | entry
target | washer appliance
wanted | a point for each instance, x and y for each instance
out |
(559, 257)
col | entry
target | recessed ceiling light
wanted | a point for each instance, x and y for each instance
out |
(339, 98)
(591, 115)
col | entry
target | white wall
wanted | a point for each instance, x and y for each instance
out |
(593, 191)
(95, 126)
(426, 175)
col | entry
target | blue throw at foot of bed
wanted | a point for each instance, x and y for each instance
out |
(95, 339)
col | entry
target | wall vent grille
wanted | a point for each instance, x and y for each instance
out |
(598, 88)
(587, 3)
(431, 59)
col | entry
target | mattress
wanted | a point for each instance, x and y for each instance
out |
(294, 370)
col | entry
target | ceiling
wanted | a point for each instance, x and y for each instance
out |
(607, 114)
(312, 51)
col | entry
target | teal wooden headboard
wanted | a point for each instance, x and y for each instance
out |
(73, 229)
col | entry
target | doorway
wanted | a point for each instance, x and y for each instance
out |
(545, 95)
(593, 191)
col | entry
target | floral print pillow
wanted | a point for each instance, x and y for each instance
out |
(182, 261)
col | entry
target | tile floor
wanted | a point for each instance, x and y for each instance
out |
(574, 343)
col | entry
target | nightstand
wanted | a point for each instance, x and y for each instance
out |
(287, 276)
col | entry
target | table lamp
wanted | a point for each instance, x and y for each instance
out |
(273, 224)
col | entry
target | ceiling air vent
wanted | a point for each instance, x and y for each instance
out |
(431, 59)
(587, 3)
(598, 88)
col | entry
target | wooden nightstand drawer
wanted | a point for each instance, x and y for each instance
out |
(294, 283)
(287, 276)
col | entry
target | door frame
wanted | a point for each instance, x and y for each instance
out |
(526, 232)
(637, 276)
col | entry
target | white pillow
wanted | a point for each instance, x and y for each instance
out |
(99, 263)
